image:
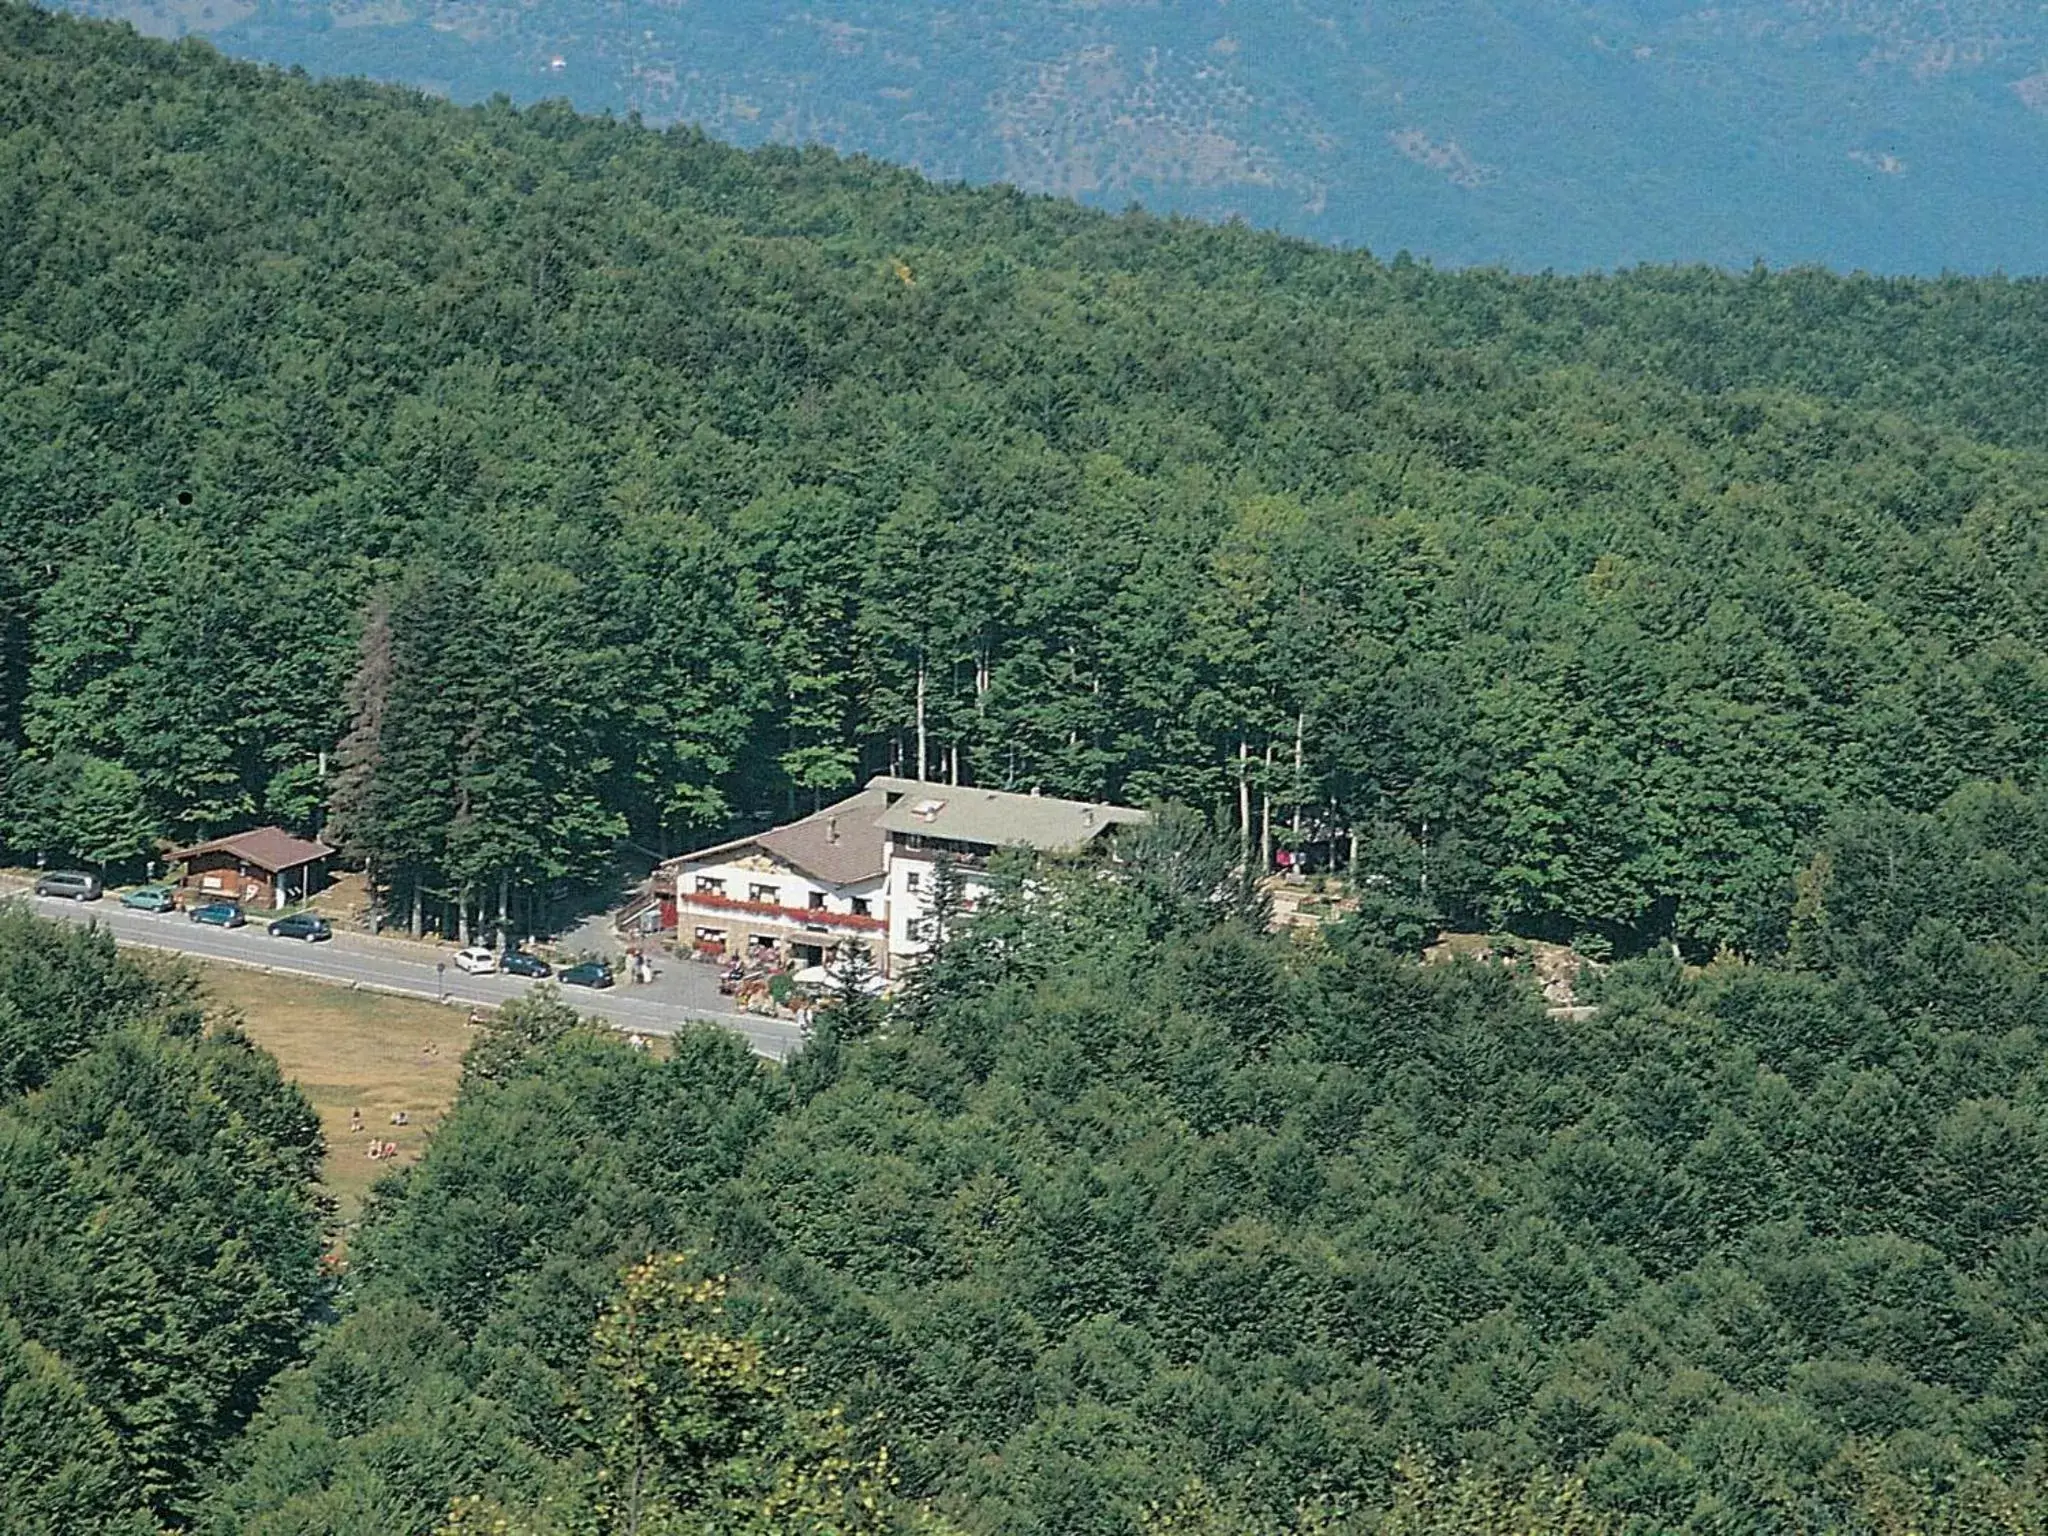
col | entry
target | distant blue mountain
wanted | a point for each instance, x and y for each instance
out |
(1890, 135)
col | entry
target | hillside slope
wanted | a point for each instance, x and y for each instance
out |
(553, 480)
(1140, 1224)
(1890, 135)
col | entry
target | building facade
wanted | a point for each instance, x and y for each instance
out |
(923, 823)
(788, 896)
(865, 870)
(262, 869)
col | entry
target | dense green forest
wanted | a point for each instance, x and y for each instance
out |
(492, 485)
(1133, 1219)
(1140, 1220)
(159, 1234)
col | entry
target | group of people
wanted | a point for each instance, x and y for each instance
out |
(378, 1150)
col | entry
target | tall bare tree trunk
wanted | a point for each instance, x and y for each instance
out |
(418, 926)
(1244, 800)
(923, 762)
(1300, 721)
(1266, 817)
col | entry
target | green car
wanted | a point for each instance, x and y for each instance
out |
(592, 973)
(151, 898)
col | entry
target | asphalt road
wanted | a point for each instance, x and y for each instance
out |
(353, 960)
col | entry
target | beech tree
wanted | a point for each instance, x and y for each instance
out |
(684, 511)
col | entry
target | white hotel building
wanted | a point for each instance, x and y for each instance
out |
(861, 870)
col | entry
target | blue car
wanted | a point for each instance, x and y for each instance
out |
(219, 914)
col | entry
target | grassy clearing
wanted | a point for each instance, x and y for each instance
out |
(349, 1051)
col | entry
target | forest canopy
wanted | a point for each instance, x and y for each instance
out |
(492, 485)
(159, 1234)
(1133, 1220)
(1138, 1220)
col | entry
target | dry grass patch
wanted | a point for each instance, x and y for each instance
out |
(353, 1051)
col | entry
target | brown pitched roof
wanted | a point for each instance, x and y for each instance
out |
(266, 848)
(838, 845)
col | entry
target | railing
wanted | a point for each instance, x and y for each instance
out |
(929, 850)
(706, 901)
(628, 918)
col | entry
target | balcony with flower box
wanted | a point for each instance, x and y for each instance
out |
(710, 904)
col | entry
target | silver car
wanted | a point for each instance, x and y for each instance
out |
(73, 884)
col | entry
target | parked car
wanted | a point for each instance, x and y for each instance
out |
(218, 914)
(476, 960)
(72, 884)
(591, 973)
(518, 963)
(151, 898)
(302, 925)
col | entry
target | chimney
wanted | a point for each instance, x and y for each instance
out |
(832, 829)
(1087, 815)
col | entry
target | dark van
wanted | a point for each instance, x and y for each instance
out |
(74, 884)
